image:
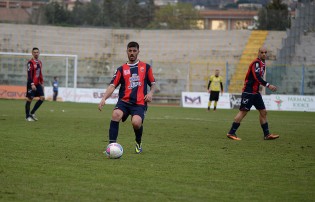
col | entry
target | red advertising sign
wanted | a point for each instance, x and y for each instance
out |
(12, 92)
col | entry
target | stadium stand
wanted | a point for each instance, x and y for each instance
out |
(255, 41)
(182, 59)
(293, 71)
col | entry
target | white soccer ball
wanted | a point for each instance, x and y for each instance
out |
(114, 151)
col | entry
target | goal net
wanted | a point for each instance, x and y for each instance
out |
(13, 69)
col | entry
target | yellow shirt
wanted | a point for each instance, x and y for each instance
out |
(215, 83)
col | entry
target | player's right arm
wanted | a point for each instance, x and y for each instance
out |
(209, 90)
(109, 91)
(30, 71)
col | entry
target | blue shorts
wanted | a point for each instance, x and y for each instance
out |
(37, 93)
(131, 109)
(248, 100)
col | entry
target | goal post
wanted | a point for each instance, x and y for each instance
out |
(13, 66)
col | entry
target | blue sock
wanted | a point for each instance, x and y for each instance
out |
(27, 108)
(138, 134)
(36, 106)
(113, 131)
(265, 128)
(234, 128)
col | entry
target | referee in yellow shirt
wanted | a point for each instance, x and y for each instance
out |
(214, 87)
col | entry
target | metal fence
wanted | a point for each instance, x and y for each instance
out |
(302, 24)
(292, 80)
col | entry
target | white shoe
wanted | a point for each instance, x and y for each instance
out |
(29, 119)
(33, 117)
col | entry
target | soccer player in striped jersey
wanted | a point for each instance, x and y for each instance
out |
(214, 87)
(251, 96)
(35, 85)
(134, 77)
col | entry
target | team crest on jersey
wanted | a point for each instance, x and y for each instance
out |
(127, 71)
(141, 69)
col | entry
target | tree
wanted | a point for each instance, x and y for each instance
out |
(112, 13)
(109, 13)
(137, 14)
(76, 14)
(179, 16)
(92, 15)
(275, 16)
(56, 14)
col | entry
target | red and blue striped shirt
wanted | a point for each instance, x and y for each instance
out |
(134, 79)
(34, 72)
(254, 77)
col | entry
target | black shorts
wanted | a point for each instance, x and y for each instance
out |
(214, 95)
(131, 109)
(248, 100)
(31, 93)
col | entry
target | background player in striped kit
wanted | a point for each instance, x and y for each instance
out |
(251, 96)
(35, 85)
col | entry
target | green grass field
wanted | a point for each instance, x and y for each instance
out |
(186, 157)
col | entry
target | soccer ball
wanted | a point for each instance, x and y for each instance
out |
(114, 151)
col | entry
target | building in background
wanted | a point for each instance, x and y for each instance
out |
(17, 11)
(234, 19)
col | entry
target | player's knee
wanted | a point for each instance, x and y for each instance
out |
(28, 99)
(42, 98)
(136, 122)
(117, 115)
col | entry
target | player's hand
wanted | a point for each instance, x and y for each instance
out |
(221, 92)
(33, 87)
(209, 91)
(101, 105)
(272, 87)
(148, 97)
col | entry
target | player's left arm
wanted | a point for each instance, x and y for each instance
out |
(256, 73)
(41, 78)
(151, 82)
(221, 85)
(257, 76)
(148, 97)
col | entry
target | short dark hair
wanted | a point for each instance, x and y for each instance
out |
(133, 44)
(35, 48)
